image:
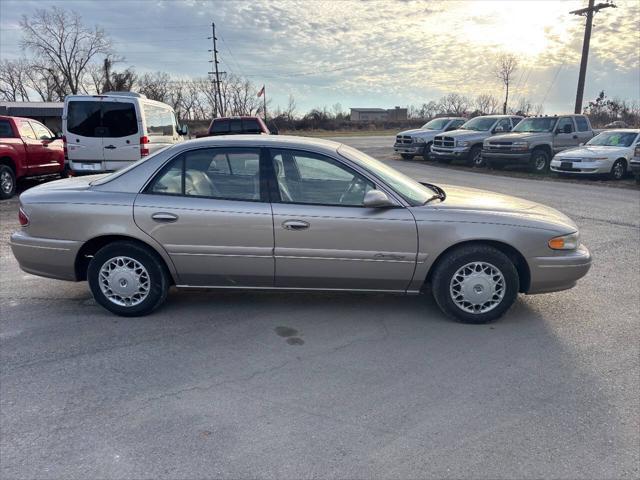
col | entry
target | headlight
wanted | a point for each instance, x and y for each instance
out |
(565, 242)
(418, 140)
(520, 146)
(462, 143)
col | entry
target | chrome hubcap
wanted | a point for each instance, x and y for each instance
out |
(6, 182)
(477, 287)
(477, 160)
(124, 281)
(540, 162)
(618, 170)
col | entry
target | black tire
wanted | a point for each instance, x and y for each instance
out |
(539, 162)
(475, 157)
(426, 154)
(448, 266)
(618, 170)
(406, 156)
(7, 182)
(157, 276)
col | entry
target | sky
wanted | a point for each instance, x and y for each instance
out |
(369, 53)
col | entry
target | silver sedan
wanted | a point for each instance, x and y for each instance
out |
(266, 212)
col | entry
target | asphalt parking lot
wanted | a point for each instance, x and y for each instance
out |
(263, 385)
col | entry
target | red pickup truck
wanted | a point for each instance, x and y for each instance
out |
(27, 149)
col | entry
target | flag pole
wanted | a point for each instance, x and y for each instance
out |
(265, 102)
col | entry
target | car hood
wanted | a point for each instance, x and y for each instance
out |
(466, 134)
(587, 151)
(418, 132)
(511, 210)
(515, 136)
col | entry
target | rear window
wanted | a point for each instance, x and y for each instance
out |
(5, 129)
(583, 125)
(101, 119)
(251, 125)
(220, 126)
(235, 126)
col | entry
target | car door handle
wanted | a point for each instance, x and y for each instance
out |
(295, 225)
(575, 137)
(164, 217)
(110, 147)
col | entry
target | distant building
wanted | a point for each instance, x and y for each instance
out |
(378, 114)
(49, 113)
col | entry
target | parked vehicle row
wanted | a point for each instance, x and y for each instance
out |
(27, 149)
(291, 213)
(565, 144)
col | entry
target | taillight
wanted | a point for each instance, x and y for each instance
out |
(22, 218)
(144, 151)
(64, 147)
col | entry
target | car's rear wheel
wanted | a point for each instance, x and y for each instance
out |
(128, 279)
(539, 161)
(7, 182)
(406, 156)
(618, 170)
(475, 283)
(426, 154)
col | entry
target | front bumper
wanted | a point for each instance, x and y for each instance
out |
(561, 272)
(580, 167)
(450, 152)
(506, 157)
(409, 148)
(44, 256)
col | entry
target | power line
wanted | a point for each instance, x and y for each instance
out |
(552, 82)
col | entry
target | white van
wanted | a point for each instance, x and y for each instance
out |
(107, 132)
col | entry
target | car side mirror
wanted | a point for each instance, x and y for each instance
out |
(377, 199)
(58, 135)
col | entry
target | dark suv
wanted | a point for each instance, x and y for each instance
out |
(238, 126)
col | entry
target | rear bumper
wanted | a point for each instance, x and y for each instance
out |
(504, 157)
(44, 256)
(552, 274)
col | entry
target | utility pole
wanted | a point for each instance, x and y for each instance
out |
(217, 105)
(586, 12)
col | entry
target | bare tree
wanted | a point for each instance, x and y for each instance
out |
(14, 77)
(455, 103)
(63, 45)
(155, 86)
(486, 104)
(290, 111)
(506, 65)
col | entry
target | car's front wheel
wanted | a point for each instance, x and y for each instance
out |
(475, 283)
(128, 279)
(618, 170)
(426, 154)
(475, 157)
(539, 162)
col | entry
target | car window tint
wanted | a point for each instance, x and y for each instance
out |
(235, 126)
(119, 119)
(220, 126)
(310, 178)
(83, 118)
(26, 131)
(515, 121)
(169, 180)
(5, 129)
(159, 121)
(505, 124)
(457, 123)
(582, 124)
(42, 132)
(251, 125)
(564, 121)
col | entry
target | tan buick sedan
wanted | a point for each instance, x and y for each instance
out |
(290, 213)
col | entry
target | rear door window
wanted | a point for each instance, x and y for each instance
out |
(583, 125)
(83, 118)
(119, 119)
(564, 122)
(42, 132)
(5, 129)
(102, 119)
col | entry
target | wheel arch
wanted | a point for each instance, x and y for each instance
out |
(546, 147)
(510, 251)
(9, 162)
(91, 247)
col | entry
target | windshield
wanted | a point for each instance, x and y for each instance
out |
(479, 124)
(117, 173)
(542, 124)
(613, 139)
(413, 192)
(436, 124)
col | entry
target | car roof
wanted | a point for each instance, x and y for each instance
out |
(273, 141)
(239, 117)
